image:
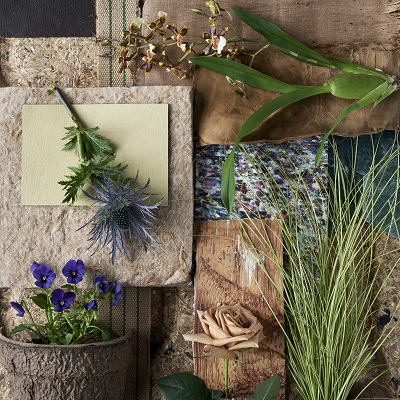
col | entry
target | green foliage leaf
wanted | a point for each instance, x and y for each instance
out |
(228, 169)
(19, 328)
(244, 74)
(282, 41)
(66, 339)
(182, 386)
(215, 394)
(106, 335)
(40, 300)
(370, 98)
(267, 390)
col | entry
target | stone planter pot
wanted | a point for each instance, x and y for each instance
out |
(75, 372)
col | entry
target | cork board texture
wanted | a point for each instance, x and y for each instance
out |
(48, 234)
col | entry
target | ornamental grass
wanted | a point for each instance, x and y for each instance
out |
(331, 273)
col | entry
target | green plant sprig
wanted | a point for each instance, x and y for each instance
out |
(95, 154)
(366, 85)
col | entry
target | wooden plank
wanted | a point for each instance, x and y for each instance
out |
(226, 272)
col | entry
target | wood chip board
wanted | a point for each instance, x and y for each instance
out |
(226, 272)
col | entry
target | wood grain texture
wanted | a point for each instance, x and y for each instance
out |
(227, 272)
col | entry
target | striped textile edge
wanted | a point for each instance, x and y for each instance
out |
(113, 16)
(133, 312)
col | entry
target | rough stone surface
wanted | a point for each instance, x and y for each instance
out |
(76, 372)
(49, 234)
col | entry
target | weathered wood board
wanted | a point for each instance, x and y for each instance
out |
(227, 273)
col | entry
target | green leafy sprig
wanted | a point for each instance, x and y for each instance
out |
(95, 154)
(366, 85)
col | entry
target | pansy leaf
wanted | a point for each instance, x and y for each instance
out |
(228, 169)
(19, 328)
(183, 386)
(244, 74)
(40, 300)
(106, 335)
(68, 287)
(370, 98)
(267, 390)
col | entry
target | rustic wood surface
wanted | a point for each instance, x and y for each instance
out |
(227, 272)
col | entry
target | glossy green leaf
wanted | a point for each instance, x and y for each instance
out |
(267, 390)
(182, 386)
(40, 300)
(244, 74)
(215, 394)
(228, 169)
(370, 98)
(391, 89)
(282, 41)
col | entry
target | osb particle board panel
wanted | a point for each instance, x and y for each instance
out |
(226, 272)
(48, 234)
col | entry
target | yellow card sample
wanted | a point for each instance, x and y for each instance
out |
(137, 132)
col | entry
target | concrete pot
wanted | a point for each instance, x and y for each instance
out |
(74, 372)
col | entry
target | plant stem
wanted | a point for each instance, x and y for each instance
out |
(65, 103)
(226, 376)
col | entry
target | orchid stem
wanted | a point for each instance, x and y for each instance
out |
(226, 376)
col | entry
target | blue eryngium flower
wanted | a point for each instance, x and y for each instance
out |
(74, 271)
(43, 274)
(62, 300)
(124, 213)
(18, 308)
(92, 305)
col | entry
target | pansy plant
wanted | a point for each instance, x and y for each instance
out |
(70, 314)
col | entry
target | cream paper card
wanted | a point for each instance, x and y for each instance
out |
(137, 132)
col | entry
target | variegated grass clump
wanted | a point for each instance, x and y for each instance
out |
(332, 278)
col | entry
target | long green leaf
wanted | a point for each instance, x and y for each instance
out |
(282, 41)
(244, 74)
(299, 51)
(228, 169)
(372, 97)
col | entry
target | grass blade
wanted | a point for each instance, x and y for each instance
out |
(228, 174)
(244, 74)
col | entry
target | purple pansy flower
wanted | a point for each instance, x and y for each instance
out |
(101, 284)
(117, 294)
(92, 305)
(62, 300)
(18, 308)
(43, 274)
(74, 271)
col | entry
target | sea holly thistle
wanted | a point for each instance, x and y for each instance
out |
(365, 85)
(125, 209)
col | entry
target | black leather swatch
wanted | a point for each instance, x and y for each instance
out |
(45, 18)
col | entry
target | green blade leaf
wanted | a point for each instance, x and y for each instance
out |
(370, 98)
(267, 390)
(19, 328)
(244, 74)
(182, 386)
(391, 89)
(228, 169)
(282, 41)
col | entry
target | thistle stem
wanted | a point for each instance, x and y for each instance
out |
(68, 106)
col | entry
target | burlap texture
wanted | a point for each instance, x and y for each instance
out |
(113, 16)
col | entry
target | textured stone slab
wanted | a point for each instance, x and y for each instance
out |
(48, 234)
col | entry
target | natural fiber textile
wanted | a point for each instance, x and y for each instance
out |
(113, 16)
